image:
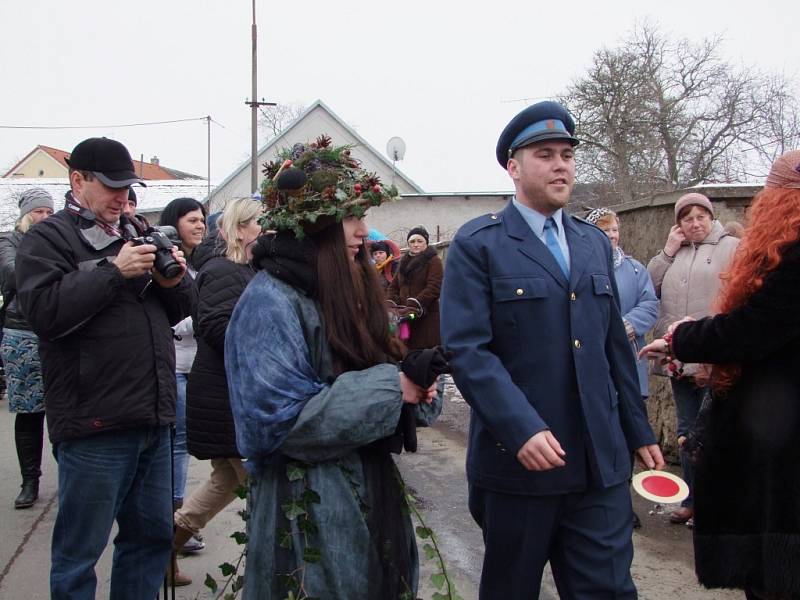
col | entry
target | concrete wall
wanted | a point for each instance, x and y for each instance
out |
(440, 214)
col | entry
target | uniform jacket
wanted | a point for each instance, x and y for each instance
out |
(210, 429)
(8, 281)
(747, 483)
(639, 307)
(105, 342)
(533, 351)
(425, 285)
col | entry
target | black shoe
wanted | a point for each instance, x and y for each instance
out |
(28, 495)
(637, 523)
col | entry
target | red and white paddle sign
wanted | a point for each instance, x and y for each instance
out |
(660, 486)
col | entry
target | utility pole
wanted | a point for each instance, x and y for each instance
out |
(254, 104)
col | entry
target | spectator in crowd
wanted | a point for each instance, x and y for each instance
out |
(531, 314)
(385, 262)
(130, 211)
(637, 298)
(20, 352)
(188, 217)
(686, 276)
(222, 277)
(417, 286)
(735, 229)
(316, 392)
(103, 316)
(747, 523)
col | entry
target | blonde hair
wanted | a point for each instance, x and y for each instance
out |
(607, 219)
(237, 213)
(24, 222)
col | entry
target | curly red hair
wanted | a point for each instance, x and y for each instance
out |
(773, 224)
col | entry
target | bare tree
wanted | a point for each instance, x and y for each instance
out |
(275, 118)
(658, 114)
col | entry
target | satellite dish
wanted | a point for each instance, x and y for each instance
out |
(396, 149)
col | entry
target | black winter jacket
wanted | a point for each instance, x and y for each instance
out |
(9, 242)
(747, 483)
(210, 428)
(105, 342)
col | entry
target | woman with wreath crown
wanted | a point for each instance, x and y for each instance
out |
(317, 391)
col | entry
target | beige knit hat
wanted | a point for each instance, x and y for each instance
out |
(693, 199)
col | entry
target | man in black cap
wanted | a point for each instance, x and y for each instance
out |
(531, 313)
(103, 315)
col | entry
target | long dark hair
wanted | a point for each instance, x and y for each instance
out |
(353, 305)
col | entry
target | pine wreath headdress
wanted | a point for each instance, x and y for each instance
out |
(312, 186)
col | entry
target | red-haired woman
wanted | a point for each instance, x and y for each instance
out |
(747, 484)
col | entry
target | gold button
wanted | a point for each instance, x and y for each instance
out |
(577, 343)
(520, 291)
(572, 296)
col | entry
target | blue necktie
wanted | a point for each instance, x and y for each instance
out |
(551, 238)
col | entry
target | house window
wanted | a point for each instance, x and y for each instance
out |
(41, 172)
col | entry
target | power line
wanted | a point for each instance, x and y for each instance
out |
(103, 126)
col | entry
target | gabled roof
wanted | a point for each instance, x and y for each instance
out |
(145, 170)
(279, 141)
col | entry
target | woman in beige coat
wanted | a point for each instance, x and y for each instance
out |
(686, 279)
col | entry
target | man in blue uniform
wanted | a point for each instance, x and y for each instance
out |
(531, 313)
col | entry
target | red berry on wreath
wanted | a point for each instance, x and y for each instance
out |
(376, 188)
(357, 188)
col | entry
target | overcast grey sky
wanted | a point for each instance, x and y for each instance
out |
(444, 75)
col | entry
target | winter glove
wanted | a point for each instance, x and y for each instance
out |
(424, 366)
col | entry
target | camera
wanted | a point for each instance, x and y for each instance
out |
(163, 238)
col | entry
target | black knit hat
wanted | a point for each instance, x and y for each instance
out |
(419, 230)
(379, 247)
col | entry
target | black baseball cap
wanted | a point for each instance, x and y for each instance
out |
(107, 159)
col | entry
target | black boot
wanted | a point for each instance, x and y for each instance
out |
(28, 432)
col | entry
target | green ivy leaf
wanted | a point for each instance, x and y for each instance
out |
(438, 580)
(227, 569)
(237, 584)
(311, 555)
(423, 532)
(285, 539)
(211, 583)
(430, 551)
(241, 491)
(240, 537)
(310, 496)
(295, 471)
(292, 510)
(440, 596)
(307, 526)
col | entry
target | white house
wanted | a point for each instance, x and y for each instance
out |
(316, 120)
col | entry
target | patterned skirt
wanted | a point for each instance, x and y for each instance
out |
(20, 352)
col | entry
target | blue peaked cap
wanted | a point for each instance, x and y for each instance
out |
(541, 121)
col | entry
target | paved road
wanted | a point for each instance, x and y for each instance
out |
(662, 565)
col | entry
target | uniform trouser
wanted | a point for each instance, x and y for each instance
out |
(216, 493)
(585, 536)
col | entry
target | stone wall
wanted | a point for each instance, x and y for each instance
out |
(644, 227)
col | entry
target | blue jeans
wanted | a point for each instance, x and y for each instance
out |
(122, 475)
(688, 398)
(180, 456)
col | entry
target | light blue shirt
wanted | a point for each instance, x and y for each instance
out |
(536, 221)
